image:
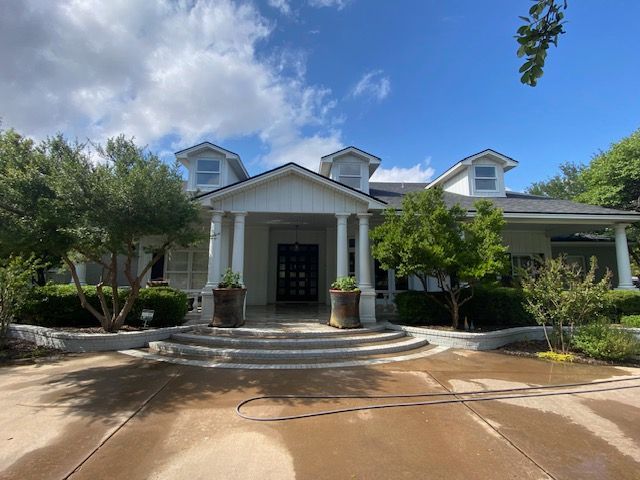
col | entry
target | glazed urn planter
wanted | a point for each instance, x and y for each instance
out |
(228, 307)
(345, 309)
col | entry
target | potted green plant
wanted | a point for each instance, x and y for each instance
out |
(345, 303)
(228, 301)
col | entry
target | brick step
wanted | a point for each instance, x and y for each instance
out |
(286, 343)
(180, 349)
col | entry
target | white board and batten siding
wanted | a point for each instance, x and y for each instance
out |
(290, 193)
(527, 243)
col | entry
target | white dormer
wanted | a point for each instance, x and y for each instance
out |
(480, 175)
(350, 166)
(211, 167)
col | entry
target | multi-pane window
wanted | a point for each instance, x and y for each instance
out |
(525, 261)
(350, 175)
(485, 178)
(207, 172)
(187, 269)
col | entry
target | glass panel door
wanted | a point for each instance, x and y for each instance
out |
(297, 273)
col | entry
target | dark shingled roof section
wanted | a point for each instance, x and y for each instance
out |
(392, 193)
(583, 238)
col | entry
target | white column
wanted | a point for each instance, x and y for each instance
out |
(237, 256)
(213, 268)
(364, 266)
(342, 246)
(81, 271)
(622, 255)
(367, 292)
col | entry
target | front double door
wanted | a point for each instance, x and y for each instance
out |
(297, 273)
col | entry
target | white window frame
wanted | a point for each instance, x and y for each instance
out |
(189, 272)
(476, 177)
(345, 175)
(219, 172)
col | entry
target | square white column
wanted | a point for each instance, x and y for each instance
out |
(625, 282)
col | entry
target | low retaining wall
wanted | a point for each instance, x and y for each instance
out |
(90, 342)
(480, 341)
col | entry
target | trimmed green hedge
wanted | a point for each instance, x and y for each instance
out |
(600, 340)
(624, 302)
(57, 305)
(632, 321)
(490, 306)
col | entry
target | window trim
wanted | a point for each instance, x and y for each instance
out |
(477, 177)
(198, 171)
(190, 271)
(344, 175)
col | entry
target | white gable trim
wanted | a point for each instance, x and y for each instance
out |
(507, 163)
(293, 169)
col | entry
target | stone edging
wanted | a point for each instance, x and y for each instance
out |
(90, 342)
(479, 341)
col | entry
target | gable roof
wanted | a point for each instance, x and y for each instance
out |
(294, 167)
(234, 159)
(508, 164)
(327, 160)
(514, 203)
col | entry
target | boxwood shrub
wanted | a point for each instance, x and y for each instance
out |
(490, 306)
(600, 340)
(624, 302)
(56, 305)
(632, 321)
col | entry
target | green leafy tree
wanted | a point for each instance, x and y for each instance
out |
(541, 29)
(566, 185)
(559, 294)
(427, 238)
(55, 198)
(16, 283)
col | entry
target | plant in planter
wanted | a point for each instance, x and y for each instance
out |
(228, 301)
(345, 303)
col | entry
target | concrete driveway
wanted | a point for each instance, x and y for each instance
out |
(97, 416)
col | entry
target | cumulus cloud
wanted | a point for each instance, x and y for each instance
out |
(420, 172)
(374, 84)
(282, 5)
(187, 71)
(339, 4)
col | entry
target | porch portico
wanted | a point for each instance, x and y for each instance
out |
(289, 234)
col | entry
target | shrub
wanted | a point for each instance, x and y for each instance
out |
(600, 340)
(624, 302)
(169, 306)
(498, 306)
(16, 284)
(560, 294)
(345, 284)
(418, 308)
(490, 306)
(632, 321)
(56, 305)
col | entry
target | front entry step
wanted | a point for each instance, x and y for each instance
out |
(308, 330)
(280, 342)
(174, 348)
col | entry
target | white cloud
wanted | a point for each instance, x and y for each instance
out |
(339, 4)
(374, 84)
(420, 172)
(282, 5)
(182, 70)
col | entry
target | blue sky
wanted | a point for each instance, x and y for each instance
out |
(420, 84)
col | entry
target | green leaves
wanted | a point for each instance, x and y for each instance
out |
(541, 29)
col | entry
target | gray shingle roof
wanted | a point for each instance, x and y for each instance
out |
(392, 193)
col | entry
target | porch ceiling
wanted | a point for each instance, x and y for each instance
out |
(290, 220)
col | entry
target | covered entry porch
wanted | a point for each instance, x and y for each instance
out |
(290, 233)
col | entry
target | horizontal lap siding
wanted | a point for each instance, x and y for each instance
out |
(291, 194)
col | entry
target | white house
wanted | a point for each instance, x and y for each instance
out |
(291, 231)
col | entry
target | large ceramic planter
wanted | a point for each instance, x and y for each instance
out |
(228, 307)
(345, 309)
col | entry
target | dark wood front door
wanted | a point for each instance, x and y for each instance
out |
(297, 273)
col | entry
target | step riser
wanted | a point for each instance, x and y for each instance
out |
(225, 341)
(230, 354)
(279, 333)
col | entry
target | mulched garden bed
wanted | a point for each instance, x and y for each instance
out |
(23, 350)
(531, 348)
(124, 328)
(449, 328)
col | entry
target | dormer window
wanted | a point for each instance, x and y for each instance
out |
(207, 173)
(486, 179)
(350, 175)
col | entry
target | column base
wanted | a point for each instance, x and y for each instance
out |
(367, 307)
(206, 314)
(626, 287)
